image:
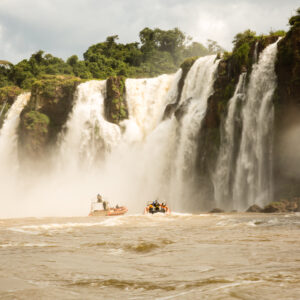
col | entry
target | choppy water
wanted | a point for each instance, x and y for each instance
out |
(222, 256)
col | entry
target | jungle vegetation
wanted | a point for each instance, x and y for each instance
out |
(159, 51)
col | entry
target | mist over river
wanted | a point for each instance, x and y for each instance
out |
(181, 256)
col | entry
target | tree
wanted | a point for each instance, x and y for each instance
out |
(213, 47)
(245, 37)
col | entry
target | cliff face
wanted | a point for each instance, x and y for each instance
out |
(115, 103)
(52, 99)
(287, 114)
(45, 114)
(227, 75)
(171, 108)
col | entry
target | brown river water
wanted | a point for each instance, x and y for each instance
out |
(218, 256)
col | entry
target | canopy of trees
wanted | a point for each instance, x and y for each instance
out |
(159, 51)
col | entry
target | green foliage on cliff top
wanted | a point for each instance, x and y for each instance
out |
(295, 20)
(47, 86)
(159, 51)
(9, 93)
(115, 104)
(187, 64)
(34, 120)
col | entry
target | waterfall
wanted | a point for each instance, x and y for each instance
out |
(144, 156)
(254, 163)
(88, 135)
(197, 88)
(124, 162)
(225, 167)
(255, 54)
(147, 98)
(9, 135)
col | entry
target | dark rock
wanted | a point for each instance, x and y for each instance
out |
(287, 112)
(169, 110)
(116, 108)
(44, 116)
(185, 66)
(216, 211)
(182, 109)
(254, 208)
(297, 201)
(282, 206)
(275, 207)
(35, 129)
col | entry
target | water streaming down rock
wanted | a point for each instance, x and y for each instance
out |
(253, 181)
(255, 54)
(147, 99)
(145, 157)
(197, 88)
(88, 135)
(140, 160)
(9, 135)
(9, 163)
(121, 159)
(226, 163)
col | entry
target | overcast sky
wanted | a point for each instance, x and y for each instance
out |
(67, 27)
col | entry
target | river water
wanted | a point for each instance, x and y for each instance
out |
(207, 256)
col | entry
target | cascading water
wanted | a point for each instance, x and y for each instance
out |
(255, 54)
(119, 161)
(147, 99)
(9, 136)
(9, 164)
(197, 88)
(141, 158)
(88, 134)
(226, 163)
(144, 157)
(254, 163)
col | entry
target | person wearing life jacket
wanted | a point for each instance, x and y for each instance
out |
(105, 205)
(156, 205)
(150, 207)
(99, 198)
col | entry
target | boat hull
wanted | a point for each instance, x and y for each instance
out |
(148, 211)
(109, 212)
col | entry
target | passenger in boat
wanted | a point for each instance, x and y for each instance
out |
(117, 206)
(150, 207)
(157, 205)
(99, 198)
(105, 205)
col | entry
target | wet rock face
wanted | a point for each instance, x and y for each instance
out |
(34, 130)
(216, 210)
(254, 208)
(45, 114)
(284, 205)
(287, 116)
(116, 109)
(182, 109)
(173, 107)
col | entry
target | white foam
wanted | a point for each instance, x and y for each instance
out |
(34, 229)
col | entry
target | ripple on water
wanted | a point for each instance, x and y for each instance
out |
(56, 227)
(122, 284)
(20, 245)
